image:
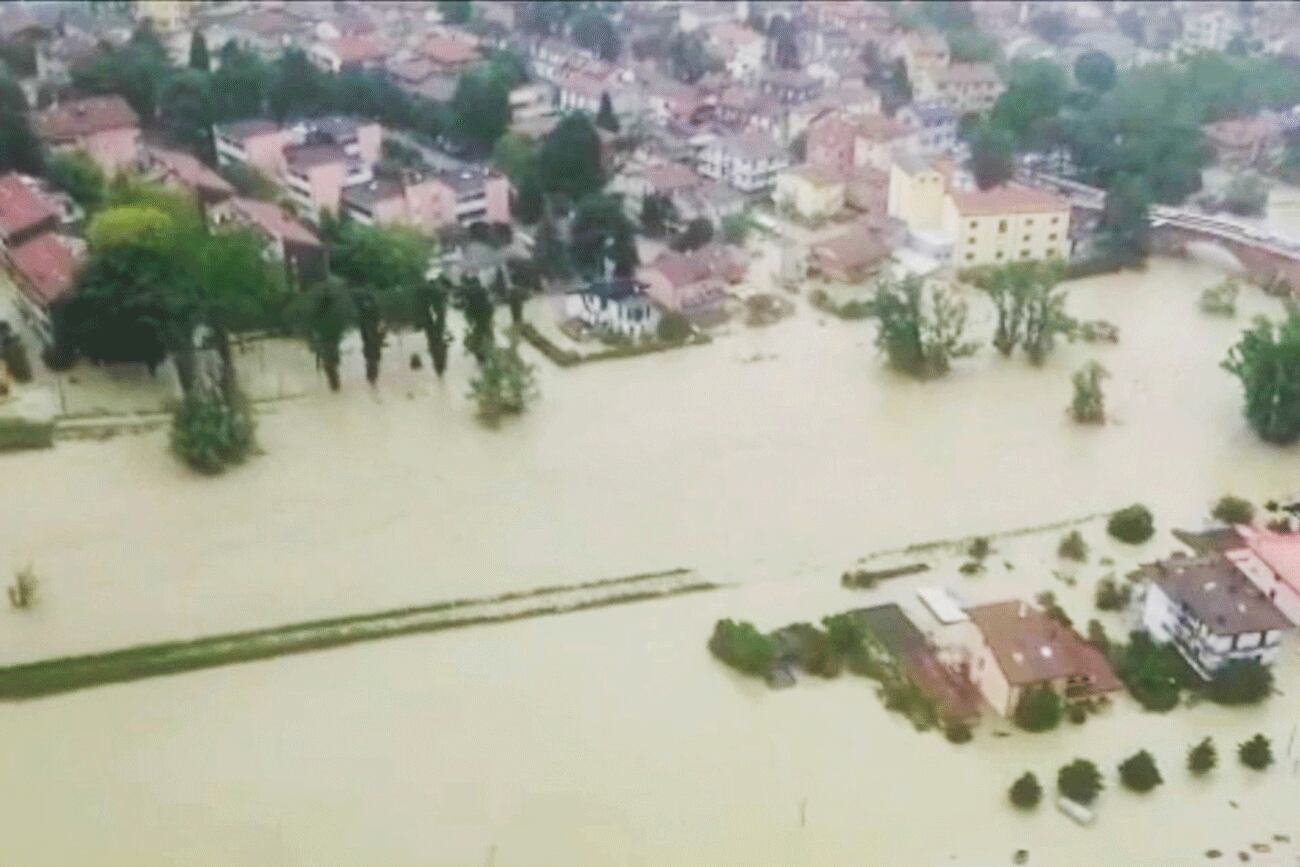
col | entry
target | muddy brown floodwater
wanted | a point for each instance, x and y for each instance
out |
(770, 459)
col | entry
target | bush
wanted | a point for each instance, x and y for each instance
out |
(22, 593)
(1256, 753)
(1073, 547)
(1080, 781)
(1220, 299)
(1233, 510)
(1139, 773)
(674, 327)
(1113, 595)
(504, 385)
(1097, 636)
(1025, 792)
(1077, 713)
(59, 357)
(210, 433)
(14, 355)
(1038, 710)
(816, 654)
(1202, 758)
(1154, 673)
(1241, 681)
(1132, 524)
(843, 633)
(742, 646)
(957, 732)
(1047, 601)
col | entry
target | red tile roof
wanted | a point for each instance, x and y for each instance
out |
(275, 222)
(46, 265)
(21, 207)
(357, 49)
(449, 52)
(1031, 647)
(669, 177)
(87, 116)
(191, 173)
(1007, 199)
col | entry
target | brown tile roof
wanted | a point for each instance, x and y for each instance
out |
(412, 71)
(361, 48)
(1007, 199)
(87, 116)
(243, 130)
(313, 155)
(878, 127)
(275, 222)
(190, 172)
(1031, 647)
(21, 207)
(754, 146)
(449, 52)
(1242, 132)
(47, 266)
(970, 73)
(857, 248)
(1216, 592)
(712, 262)
(670, 177)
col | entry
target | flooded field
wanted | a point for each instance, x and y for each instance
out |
(770, 460)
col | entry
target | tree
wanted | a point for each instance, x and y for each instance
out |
(1132, 524)
(478, 308)
(1256, 753)
(529, 201)
(1053, 25)
(1089, 403)
(324, 316)
(1124, 231)
(199, 59)
(429, 313)
(1247, 195)
(1026, 792)
(454, 11)
(240, 86)
(605, 118)
(1030, 312)
(137, 71)
(185, 110)
(1095, 70)
(1073, 547)
(1241, 681)
(1112, 595)
(593, 31)
(688, 59)
(480, 110)
(1233, 510)
(297, 86)
(785, 51)
(211, 432)
(1035, 93)
(919, 331)
(601, 236)
(20, 149)
(79, 176)
(1039, 709)
(1139, 773)
(1202, 758)
(514, 155)
(1080, 781)
(742, 646)
(569, 159)
(116, 313)
(13, 354)
(697, 233)
(373, 333)
(657, 214)
(549, 254)
(673, 327)
(1266, 359)
(504, 386)
(383, 259)
(992, 156)
(972, 46)
(1152, 672)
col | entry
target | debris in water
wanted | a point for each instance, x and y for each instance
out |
(1213, 853)
(1261, 848)
(1281, 838)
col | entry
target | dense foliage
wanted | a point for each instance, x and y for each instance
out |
(1026, 791)
(1088, 406)
(1132, 524)
(1080, 781)
(1039, 709)
(742, 646)
(1139, 773)
(1233, 510)
(1241, 681)
(920, 330)
(210, 432)
(1202, 758)
(1256, 753)
(504, 385)
(1267, 361)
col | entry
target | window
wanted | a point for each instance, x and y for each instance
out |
(973, 224)
(1029, 221)
(970, 256)
(970, 240)
(1026, 238)
(1002, 225)
(1055, 220)
(1024, 254)
(1051, 237)
(999, 255)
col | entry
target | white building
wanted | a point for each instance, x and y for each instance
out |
(1210, 30)
(1210, 612)
(618, 305)
(749, 161)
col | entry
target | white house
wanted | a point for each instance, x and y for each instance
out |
(749, 161)
(1210, 612)
(619, 305)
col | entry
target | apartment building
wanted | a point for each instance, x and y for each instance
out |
(1009, 223)
(105, 127)
(749, 161)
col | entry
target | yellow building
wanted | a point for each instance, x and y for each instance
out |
(916, 193)
(811, 192)
(1010, 223)
(166, 16)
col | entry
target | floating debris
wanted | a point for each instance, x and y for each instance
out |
(1021, 857)
(1213, 853)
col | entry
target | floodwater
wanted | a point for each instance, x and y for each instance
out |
(771, 460)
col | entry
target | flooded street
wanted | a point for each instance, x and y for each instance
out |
(770, 459)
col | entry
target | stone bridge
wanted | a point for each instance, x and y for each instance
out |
(1270, 260)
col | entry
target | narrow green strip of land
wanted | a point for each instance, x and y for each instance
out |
(66, 674)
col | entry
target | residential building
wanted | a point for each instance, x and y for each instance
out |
(580, 91)
(264, 31)
(1021, 647)
(287, 239)
(1242, 141)
(923, 52)
(933, 124)
(830, 142)
(695, 283)
(1209, 29)
(1272, 562)
(810, 192)
(851, 256)
(315, 175)
(618, 305)
(1211, 612)
(531, 101)
(105, 127)
(349, 53)
(428, 202)
(360, 139)
(185, 170)
(962, 87)
(917, 191)
(749, 161)
(24, 213)
(450, 56)
(167, 17)
(877, 138)
(258, 144)
(739, 47)
(790, 86)
(43, 268)
(1007, 223)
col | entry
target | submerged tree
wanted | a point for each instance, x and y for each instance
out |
(504, 386)
(373, 333)
(920, 331)
(324, 316)
(1089, 403)
(1031, 313)
(1267, 361)
(1202, 758)
(429, 314)
(212, 429)
(478, 308)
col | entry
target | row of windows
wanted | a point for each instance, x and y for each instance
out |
(1051, 237)
(1024, 254)
(1002, 224)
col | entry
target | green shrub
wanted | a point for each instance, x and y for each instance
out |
(1241, 681)
(1038, 710)
(957, 732)
(674, 327)
(1047, 601)
(843, 633)
(1080, 781)
(1139, 773)
(1202, 758)
(979, 548)
(1132, 524)
(210, 433)
(1112, 595)
(1073, 547)
(816, 654)
(1256, 753)
(1077, 713)
(22, 593)
(1025, 792)
(504, 386)
(1097, 636)
(1154, 673)
(1233, 510)
(742, 646)
(1220, 299)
